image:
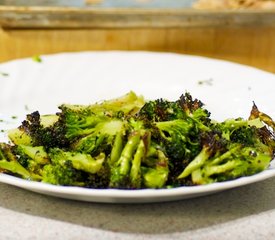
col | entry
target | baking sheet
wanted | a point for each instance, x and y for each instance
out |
(104, 3)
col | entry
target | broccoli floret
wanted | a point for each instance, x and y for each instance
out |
(101, 179)
(102, 137)
(48, 133)
(78, 122)
(176, 126)
(161, 110)
(65, 174)
(82, 120)
(236, 162)
(18, 136)
(176, 137)
(181, 143)
(155, 174)
(80, 161)
(237, 149)
(128, 104)
(9, 163)
(212, 143)
(251, 132)
(63, 129)
(190, 105)
(71, 168)
(32, 158)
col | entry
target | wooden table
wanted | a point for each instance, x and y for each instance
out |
(247, 37)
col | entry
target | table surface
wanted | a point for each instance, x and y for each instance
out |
(243, 213)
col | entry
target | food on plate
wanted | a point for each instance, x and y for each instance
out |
(234, 4)
(132, 143)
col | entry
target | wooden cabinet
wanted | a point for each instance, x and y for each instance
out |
(244, 37)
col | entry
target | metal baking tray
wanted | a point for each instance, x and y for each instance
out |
(124, 14)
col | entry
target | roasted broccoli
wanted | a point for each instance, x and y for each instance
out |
(62, 174)
(130, 143)
(236, 148)
(9, 163)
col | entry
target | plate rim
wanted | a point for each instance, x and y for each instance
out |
(139, 194)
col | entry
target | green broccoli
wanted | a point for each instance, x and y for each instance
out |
(128, 104)
(102, 137)
(235, 149)
(130, 143)
(121, 168)
(9, 163)
(155, 175)
(141, 163)
(46, 131)
(80, 161)
(32, 158)
(65, 175)
(71, 168)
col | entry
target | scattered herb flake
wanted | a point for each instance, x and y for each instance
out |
(208, 82)
(27, 108)
(14, 117)
(4, 74)
(37, 58)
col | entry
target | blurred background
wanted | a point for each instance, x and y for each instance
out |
(235, 30)
(102, 3)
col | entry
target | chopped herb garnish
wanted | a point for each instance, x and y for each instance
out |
(37, 58)
(14, 117)
(27, 108)
(208, 82)
(4, 74)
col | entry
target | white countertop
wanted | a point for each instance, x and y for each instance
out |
(244, 213)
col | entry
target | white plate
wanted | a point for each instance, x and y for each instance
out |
(227, 89)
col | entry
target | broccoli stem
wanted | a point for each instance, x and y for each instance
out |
(237, 123)
(87, 163)
(127, 153)
(79, 161)
(226, 155)
(15, 167)
(38, 154)
(218, 169)
(196, 163)
(117, 149)
(199, 178)
(156, 177)
(135, 174)
(120, 169)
